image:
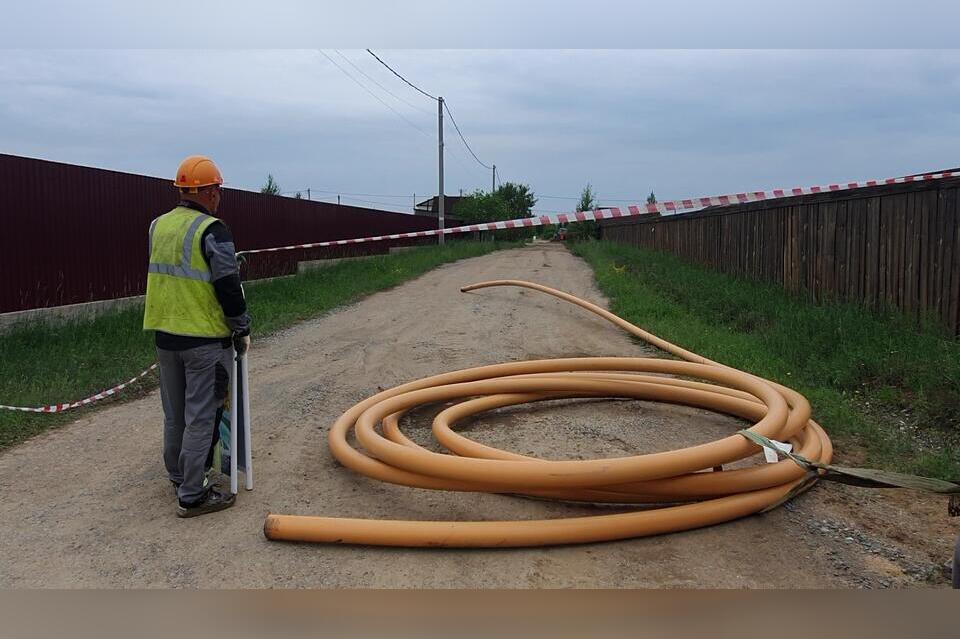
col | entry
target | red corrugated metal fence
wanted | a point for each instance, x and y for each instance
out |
(72, 234)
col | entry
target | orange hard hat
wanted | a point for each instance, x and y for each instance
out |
(197, 171)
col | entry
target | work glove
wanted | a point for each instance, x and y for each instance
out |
(241, 343)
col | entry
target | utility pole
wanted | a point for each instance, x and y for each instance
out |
(494, 187)
(440, 193)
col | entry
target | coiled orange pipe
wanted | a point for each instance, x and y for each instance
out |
(686, 476)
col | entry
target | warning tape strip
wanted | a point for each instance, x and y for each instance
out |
(671, 206)
(59, 408)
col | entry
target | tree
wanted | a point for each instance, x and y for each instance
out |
(482, 206)
(651, 199)
(584, 230)
(508, 202)
(271, 187)
(518, 198)
(587, 199)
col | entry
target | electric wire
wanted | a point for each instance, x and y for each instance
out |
(313, 190)
(608, 199)
(347, 201)
(445, 105)
(390, 204)
(463, 139)
(454, 155)
(400, 76)
(410, 104)
(376, 97)
(461, 159)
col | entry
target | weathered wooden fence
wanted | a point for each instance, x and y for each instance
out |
(895, 246)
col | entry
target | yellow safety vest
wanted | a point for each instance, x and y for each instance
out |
(180, 296)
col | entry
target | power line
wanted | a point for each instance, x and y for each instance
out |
(340, 195)
(407, 197)
(410, 104)
(400, 76)
(463, 139)
(391, 204)
(599, 197)
(344, 192)
(377, 97)
(367, 89)
(456, 155)
(333, 199)
(445, 105)
(396, 206)
(333, 193)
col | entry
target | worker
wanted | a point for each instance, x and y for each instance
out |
(195, 305)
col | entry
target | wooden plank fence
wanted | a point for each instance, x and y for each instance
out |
(887, 246)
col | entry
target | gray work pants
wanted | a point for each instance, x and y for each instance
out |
(193, 386)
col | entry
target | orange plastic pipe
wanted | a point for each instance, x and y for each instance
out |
(684, 477)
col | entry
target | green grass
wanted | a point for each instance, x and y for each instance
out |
(883, 387)
(42, 363)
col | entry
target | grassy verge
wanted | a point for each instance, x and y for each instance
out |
(884, 389)
(41, 363)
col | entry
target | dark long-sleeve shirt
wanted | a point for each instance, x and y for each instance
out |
(219, 253)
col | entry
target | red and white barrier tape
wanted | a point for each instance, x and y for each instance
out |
(671, 206)
(59, 408)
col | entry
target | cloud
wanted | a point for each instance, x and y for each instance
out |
(679, 122)
(493, 23)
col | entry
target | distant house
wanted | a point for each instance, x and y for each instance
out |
(431, 207)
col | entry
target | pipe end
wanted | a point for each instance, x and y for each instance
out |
(270, 525)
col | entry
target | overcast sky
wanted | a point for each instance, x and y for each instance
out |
(681, 123)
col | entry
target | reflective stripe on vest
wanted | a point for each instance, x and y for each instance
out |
(185, 269)
(180, 296)
(178, 271)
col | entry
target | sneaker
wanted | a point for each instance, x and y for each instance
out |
(214, 501)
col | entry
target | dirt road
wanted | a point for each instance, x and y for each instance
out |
(89, 505)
